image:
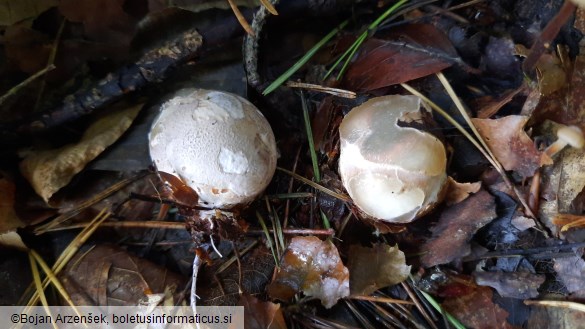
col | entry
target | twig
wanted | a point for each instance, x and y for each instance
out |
(547, 35)
(26, 82)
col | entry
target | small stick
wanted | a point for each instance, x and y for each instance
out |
(26, 82)
(381, 299)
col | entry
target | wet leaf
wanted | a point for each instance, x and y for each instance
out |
(456, 227)
(314, 267)
(107, 275)
(50, 170)
(15, 11)
(477, 310)
(261, 315)
(571, 271)
(373, 268)
(520, 285)
(458, 192)
(414, 51)
(511, 145)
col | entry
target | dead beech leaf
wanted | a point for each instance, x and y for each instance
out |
(110, 276)
(458, 192)
(15, 11)
(510, 144)
(477, 310)
(373, 268)
(50, 170)
(314, 267)
(261, 315)
(571, 271)
(103, 20)
(456, 227)
(520, 285)
(415, 51)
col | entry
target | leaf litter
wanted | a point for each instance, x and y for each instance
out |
(455, 253)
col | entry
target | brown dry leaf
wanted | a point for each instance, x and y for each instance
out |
(107, 275)
(477, 310)
(561, 186)
(456, 227)
(9, 221)
(373, 268)
(551, 74)
(26, 48)
(50, 170)
(313, 266)
(511, 145)
(415, 51)
(103, 20)
(545, 317)
(520, 285)
(571, 271)
(15, 11)
(261, 315)
(458, 192)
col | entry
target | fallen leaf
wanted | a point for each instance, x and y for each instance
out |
(15, 11)
(50, 170)
(12, 240)
(477, 310)
(108, 275)
(523, 223)
(103, 20)
(561, 186)
(511, 145)
(456, 227)
(26, 48)
(313, 266)
(457, 192)
(373, 268)
(415, 51)
(261, 315)
(9, 221)
(571, 271)
(520, 285)
(546, 317)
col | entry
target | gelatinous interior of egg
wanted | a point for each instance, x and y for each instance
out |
(217, 143)
(392, 173)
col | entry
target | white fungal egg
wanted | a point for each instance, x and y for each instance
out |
(217, 143)
(392, 173)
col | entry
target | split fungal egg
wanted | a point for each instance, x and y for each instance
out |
(392, 173)
(217, 143)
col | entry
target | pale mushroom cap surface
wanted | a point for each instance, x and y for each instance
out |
(392, 173)
(571, 135)
(217, 143)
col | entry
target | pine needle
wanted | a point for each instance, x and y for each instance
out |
(323, 189)
(309, 133)
(268, 238)
(39, 286)
(269, 7)
(281, 79)
(240, 17)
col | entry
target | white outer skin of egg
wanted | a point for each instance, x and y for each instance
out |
(217, 143)
(392, 173)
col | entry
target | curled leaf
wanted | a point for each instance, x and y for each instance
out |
(50, 170)
(374, 268)
(314, 267)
